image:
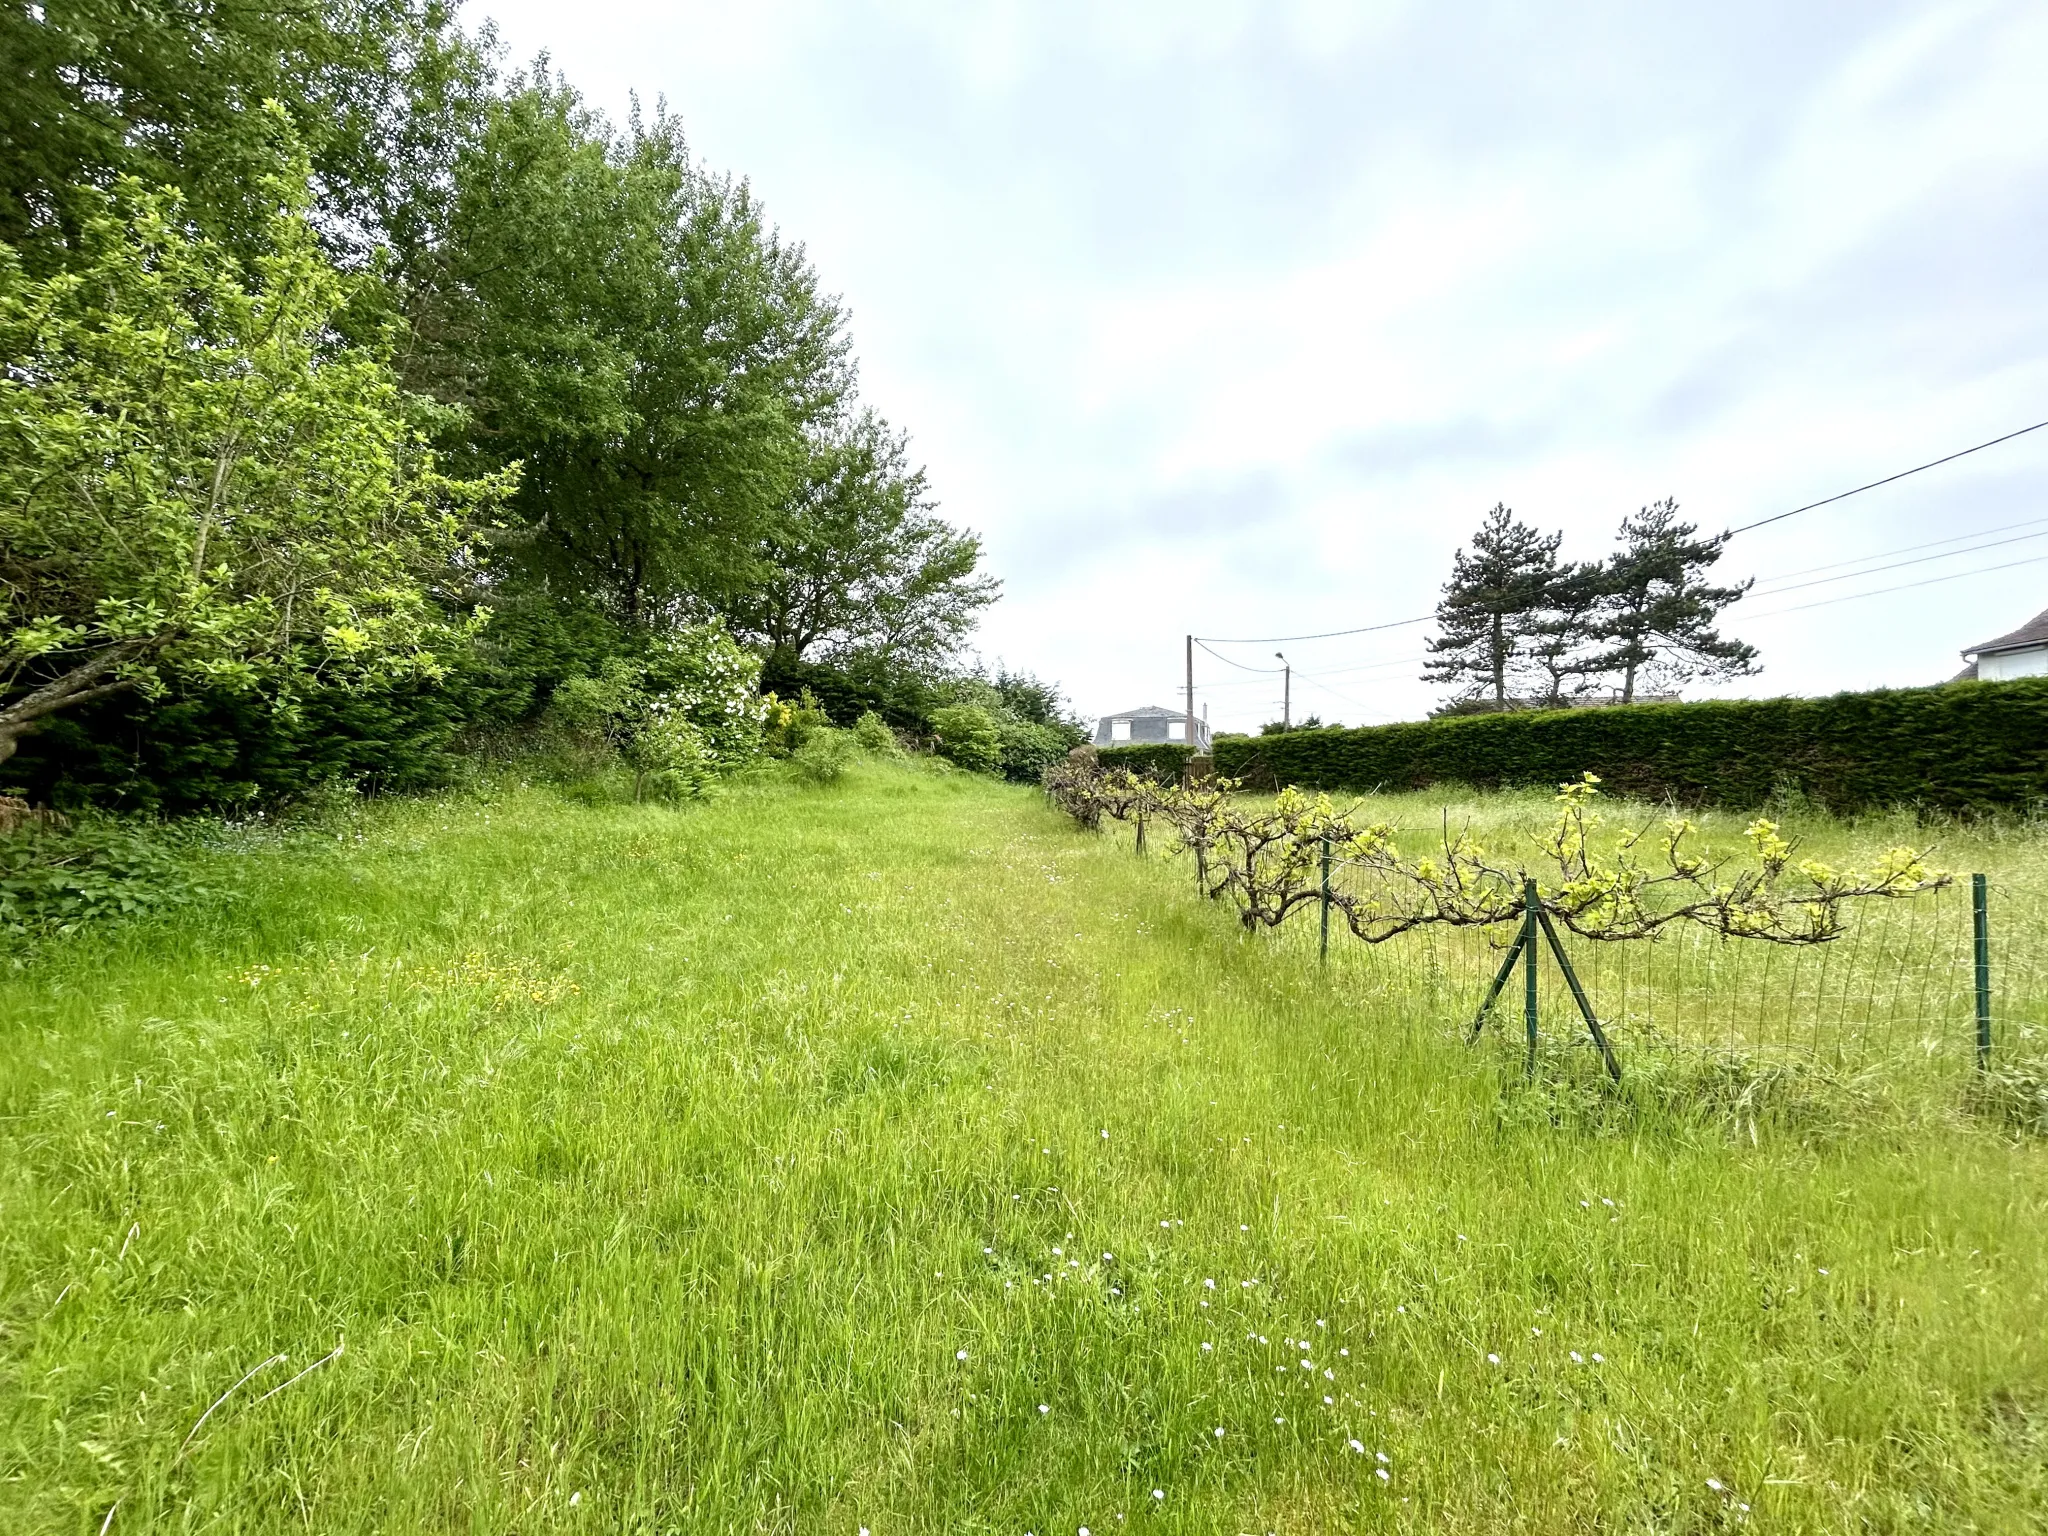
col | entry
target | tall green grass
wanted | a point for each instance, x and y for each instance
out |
(892, 1155)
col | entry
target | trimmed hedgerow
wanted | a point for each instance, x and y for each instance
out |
(1958, 747)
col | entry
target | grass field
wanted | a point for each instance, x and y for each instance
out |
(896, 1157)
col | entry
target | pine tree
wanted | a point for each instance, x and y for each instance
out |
(1657, 609)
(1565, 658)
(1497, 589)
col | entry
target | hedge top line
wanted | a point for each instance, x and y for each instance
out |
(1954, 746)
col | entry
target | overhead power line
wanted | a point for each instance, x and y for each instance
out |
(1885, 554)
(1776, 517)
(1899, 565)
(1327, 635)
(1779, 517)
(1905, 549)
(1274, 671)
(1828, 602)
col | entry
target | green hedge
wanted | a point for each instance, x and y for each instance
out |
(1160, 759)
(1959, 746)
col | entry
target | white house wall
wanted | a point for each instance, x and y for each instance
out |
(2005, 664)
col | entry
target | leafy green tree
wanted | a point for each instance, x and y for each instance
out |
(1657, 609)
(625, 326)
(857, 562)
(171, 91)
(1490, 606)
(197, 483)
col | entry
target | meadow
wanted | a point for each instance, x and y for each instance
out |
(894, 1156)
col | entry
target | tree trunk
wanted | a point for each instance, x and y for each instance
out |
(80, 685)
(1500, 668)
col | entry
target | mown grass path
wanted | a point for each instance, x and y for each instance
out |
(895, 1156)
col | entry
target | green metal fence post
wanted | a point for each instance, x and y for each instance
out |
(1980, 923)
(1326, 899)
(1531, 905)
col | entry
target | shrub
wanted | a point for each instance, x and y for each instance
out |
(854, 686)
(968, 736)
(1028, 750)
(58, 880)
(789, 723)
(679, 712)
(1960, 746)
(872, 734)
(825, 755)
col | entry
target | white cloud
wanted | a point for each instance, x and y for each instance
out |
(1235, 317)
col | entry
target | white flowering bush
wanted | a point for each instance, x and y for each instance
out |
(680, 713)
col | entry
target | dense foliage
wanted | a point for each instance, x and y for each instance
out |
(197, 485)
(678, 712)
(1961, 747)
(261, 269)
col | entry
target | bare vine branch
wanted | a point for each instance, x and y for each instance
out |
(1268, 863)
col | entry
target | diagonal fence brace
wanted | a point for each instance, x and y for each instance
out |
(1579, 996)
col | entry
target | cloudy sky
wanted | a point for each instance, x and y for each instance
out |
(1235, 318)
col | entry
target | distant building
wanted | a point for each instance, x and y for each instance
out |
(2023, 653)
(1134, 727)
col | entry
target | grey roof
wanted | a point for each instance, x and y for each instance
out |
(1148, 712)
(2030, 634)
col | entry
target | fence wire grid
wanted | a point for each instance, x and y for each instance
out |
(1897, 987)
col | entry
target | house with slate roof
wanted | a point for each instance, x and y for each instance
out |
(2023, 653)
(1151, 724)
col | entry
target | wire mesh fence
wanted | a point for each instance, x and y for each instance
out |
(1896, 989)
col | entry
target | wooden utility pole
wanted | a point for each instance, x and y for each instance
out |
(1286, 692)
(1188, 729)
